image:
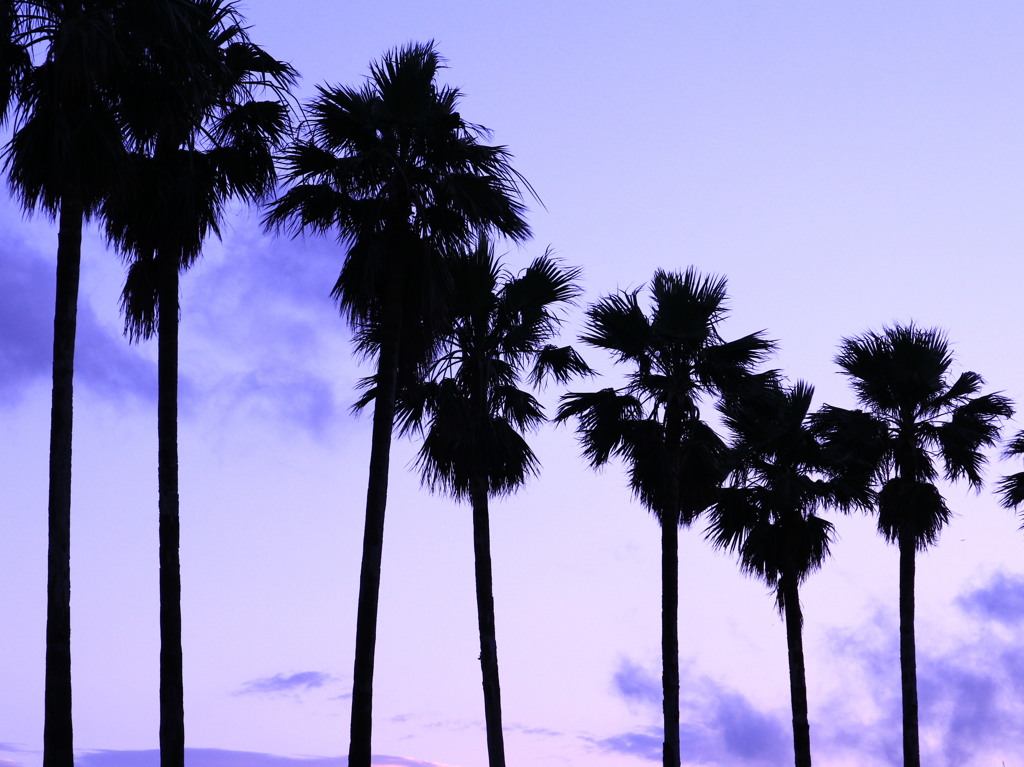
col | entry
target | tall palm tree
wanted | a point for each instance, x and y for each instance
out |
(767, 514)
(915, 420)
(676, 461)
(65, 64)
(472, 412)
(397, 174)
(190, 161)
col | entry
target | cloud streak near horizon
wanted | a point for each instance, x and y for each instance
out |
(280, 683)
(216, 757)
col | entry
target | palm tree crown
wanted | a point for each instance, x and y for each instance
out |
(915, 422)
(783, 477)
(470, 408)
(396, 173)
(677, 359)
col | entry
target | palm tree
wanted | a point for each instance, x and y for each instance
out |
(190, 161)
(472, 412)
(914, 419)
(66, 152)
(676, 461)
(767, 514)
(397, 174)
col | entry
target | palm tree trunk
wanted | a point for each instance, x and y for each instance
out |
(373, 532)
(58, 741)
(172, 703)
(485, 617)
(670, 638)
(908, 651)
(797, 674)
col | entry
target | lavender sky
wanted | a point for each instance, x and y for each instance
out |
(845, 165)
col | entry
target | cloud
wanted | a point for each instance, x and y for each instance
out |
(970, 694)
(104, 361)
(215, 757)
(636, 684)
(644, 745)
(718, 726)
(279, 683)
(1001, 600)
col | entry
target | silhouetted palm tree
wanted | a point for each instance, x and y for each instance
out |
(217, 145)
(472, 412)
(915, 419)
(767, 513)
(66, 152)
(396, 173)
(676, 461)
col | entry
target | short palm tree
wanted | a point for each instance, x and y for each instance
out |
(66, 64)
(216, 146)
(472, 411)
(676, 461)
(915, 420)
(395, 172)
(767, 514)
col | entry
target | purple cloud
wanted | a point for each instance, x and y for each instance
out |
(643, 745)
(970, 695)
(636, 684)
(303, 680)
(103, 360)
(719, 726)
(215, 757)
(1000, 600)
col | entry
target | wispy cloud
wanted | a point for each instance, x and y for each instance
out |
(971, 694)
(718, 725)
(103, 359)
(1000, 600)
(279, 683)
(215, 757)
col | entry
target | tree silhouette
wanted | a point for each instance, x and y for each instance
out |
(915, 418)
(397, 174)
(472, 412)
(767, 514)
(68, 66)
(676, 461)
(215, 145)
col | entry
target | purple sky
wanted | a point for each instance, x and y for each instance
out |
(844, 165)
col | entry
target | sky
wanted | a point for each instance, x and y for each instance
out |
(845, 165)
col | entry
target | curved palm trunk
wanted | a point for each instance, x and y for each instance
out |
(57, 728)
(485, 617)
(670, 639)
(172, 703)
(797, 673)
(373, 531)
(908, 651)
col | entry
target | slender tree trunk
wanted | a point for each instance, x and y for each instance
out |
(58, 741)
(670, 637)
(373, 532)
(797, 674)
(172, 696)
(908, 651)
(485, 616)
